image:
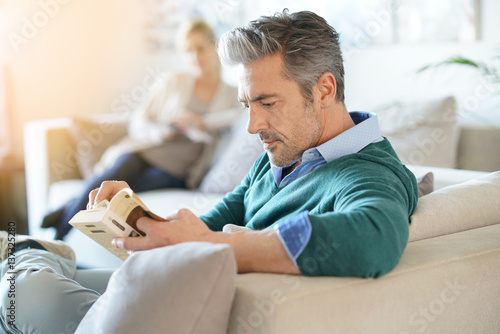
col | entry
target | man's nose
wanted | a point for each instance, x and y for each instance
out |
(256, 121)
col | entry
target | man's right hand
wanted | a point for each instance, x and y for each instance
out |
(107, 190)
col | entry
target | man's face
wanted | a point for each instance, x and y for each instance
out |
(286, 123)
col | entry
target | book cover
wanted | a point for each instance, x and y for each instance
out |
(115, 218)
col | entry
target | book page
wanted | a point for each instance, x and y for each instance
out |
(127, 206)
(149, 213)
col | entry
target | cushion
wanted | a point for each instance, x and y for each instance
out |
(444, 177)
(425, 184)
(237, 155)
(423, 132)
(185, 288)
(91, 139)
(461, 207)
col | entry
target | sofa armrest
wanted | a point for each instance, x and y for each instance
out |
(49, 157)
(452, 279)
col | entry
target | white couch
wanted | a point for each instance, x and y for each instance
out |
(447, 280)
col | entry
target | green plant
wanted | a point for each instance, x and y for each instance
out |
(491, 72)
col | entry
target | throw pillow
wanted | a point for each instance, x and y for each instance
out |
(425, 184)
(461, 207)
(91, 139)
(185, 288)
(423, 132)
(238, 153)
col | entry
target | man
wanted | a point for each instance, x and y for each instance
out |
(328, 197)
(330, 186)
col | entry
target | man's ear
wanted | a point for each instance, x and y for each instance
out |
(327, 89)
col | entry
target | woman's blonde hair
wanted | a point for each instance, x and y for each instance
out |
(192, 26)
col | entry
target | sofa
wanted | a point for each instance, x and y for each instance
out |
(446, 281)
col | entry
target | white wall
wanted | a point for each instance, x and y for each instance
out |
(378, 75)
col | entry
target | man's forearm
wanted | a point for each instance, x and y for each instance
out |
(257, 251)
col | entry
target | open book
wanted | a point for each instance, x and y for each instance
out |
(110, 219)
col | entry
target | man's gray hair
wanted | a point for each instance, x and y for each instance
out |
(309, 45)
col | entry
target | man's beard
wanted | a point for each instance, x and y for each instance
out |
(290, 153)
(287, 156)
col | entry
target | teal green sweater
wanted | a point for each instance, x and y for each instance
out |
(359, 207)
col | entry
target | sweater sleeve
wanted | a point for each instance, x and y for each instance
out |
(230, 210)
(367, 231)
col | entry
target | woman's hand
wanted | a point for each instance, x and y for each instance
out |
(107, 190)
(188, 119)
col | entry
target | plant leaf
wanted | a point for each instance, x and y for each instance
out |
(459, 60)
(455, 60)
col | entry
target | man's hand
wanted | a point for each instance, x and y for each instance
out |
(255, 251)
(107, 190)
(183, 226)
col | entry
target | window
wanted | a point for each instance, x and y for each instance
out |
(360, 22)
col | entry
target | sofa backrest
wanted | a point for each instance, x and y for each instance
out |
(479, 148)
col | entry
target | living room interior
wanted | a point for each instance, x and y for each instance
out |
(74, 59)
(62, 60)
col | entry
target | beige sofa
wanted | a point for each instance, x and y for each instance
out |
(446, 282)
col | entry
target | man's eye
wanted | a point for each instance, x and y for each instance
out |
(270, 104)
(245, 107)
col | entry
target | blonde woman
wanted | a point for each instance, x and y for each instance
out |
(172, 135)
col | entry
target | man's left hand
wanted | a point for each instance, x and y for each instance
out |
(183, 226)
(254, 251)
